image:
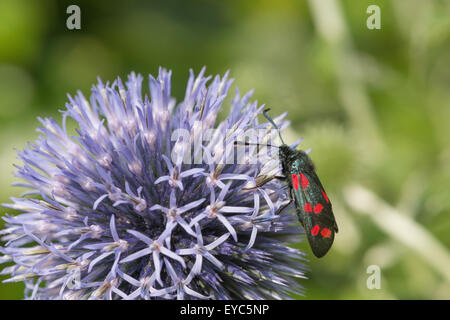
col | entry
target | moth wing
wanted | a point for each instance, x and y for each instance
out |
(314, 211)
(312, 176)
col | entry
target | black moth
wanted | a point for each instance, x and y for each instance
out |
(312, 205)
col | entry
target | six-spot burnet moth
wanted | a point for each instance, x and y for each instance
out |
(312, 205)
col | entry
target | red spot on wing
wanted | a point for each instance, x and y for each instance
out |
(295, 181)
(315, 230)
(325, 196)
(307, 207)
(303, 181)
(326, 233)
(318, 208)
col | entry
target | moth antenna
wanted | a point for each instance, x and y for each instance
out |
(254, 144)
(273, 123)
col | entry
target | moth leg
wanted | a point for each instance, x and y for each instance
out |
(262, 180)
(291, 195)
(283, 207)
(291, 198)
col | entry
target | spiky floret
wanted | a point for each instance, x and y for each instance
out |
(115, 210)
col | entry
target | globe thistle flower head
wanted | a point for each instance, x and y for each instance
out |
(147, 200)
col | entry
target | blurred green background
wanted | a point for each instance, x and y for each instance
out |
(373, 105)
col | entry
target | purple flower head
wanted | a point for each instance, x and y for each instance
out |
(126, 207)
